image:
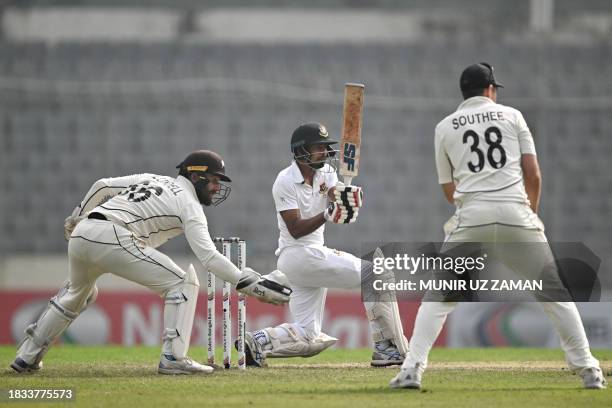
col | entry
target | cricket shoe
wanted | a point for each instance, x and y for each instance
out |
(408, 378)
(253, 351)
(386, 354)
(593, 378)
(22, 367)
(172, 366)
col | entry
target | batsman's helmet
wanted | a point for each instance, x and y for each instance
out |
(309, 134)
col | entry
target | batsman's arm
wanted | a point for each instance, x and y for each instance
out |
(298, 226)
(532, 179)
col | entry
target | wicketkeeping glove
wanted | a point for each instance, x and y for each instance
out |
(273, 288)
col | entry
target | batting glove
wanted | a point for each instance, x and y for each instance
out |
(349, 196)
(340, 214)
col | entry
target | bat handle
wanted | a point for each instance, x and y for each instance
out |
(347, 180)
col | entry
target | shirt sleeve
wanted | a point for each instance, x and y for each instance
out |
(284, 195)
(195, 226)
(443, 165)
(105, 189)
(525, 138)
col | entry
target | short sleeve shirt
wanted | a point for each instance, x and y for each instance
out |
(291, 192)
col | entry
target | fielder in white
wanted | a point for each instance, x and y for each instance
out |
(116, 228)
(307, 194)
(487, 166)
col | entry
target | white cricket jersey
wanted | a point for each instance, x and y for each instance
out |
(479, 147)
(154, 208)
(291, 192)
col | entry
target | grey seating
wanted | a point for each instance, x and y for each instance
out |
(55, 144)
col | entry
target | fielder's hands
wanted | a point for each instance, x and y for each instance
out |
(273, 288)
(70, 224)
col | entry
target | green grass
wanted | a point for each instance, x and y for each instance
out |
(121, 376)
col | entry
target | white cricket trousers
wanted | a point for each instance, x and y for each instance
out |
(563, 315)
(97, 247)
(311, 270)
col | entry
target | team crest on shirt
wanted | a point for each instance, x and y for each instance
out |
(323, 189)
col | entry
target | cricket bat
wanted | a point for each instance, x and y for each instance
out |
(350, 144)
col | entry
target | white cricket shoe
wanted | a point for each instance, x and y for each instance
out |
(593, 378)
(171, 366)
(408, 378)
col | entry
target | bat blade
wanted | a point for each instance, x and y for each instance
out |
(350, 144)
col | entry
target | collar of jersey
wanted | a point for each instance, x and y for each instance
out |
(184, 181)
(296, 174)
(475, 100)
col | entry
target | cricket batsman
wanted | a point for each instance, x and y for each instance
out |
(307, 196)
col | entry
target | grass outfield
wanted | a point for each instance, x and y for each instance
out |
(121, 376)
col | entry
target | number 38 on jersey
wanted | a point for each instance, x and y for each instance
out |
(492, 153)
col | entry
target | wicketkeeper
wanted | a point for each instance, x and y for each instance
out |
(116, 228)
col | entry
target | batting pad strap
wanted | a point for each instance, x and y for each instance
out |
(38, 340)
(67, 313)
(41, 334)
(170, 334)
(175, 297)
